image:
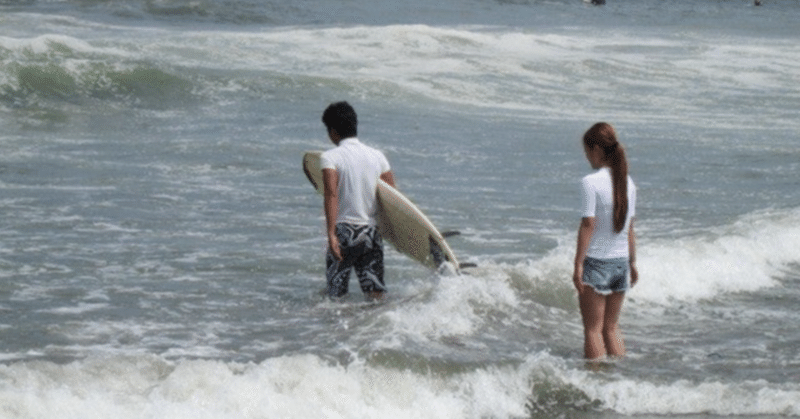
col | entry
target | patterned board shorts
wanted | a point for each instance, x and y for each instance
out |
(606, 275)
(362, 249)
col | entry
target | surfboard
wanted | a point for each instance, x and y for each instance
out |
(400, 222)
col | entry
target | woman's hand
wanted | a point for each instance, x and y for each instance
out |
(577, 279)
(634, 274)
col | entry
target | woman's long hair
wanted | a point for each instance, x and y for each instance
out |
(602, 135)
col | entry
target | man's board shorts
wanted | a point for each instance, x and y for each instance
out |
(362, 249)
(606, 275)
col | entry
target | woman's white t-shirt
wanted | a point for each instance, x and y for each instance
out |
(598, 202)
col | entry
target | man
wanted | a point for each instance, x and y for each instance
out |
(350, 174)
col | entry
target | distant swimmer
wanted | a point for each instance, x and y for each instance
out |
(602, 2)
(757, 3)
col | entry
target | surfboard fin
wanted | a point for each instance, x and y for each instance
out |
(439, 257)
(436, 252)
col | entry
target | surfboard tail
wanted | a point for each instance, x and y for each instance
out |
(440, 256)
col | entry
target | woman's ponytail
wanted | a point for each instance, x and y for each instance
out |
(619, 178)
(602, 134)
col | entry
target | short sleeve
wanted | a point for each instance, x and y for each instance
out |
(326, 162)
(385, 167)
(589, 198)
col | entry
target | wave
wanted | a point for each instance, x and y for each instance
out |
(54, 69)
(509, 69)
(749, 255)
(303, 386)
(542, 73)
(491, 304)
(685, 397)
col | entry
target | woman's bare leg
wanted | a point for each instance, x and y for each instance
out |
(612, 335)
(593, 313)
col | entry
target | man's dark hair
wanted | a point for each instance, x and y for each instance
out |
(341, 117)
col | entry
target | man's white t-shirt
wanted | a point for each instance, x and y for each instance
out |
(598, 202)
(359, 167)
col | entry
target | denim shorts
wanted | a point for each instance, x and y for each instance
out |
(606, 275)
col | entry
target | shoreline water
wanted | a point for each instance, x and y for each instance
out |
(161, 251)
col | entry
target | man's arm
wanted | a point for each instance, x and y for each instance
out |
(388, 177)
(330, 184)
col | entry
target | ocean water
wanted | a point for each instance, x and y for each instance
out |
(161, 252)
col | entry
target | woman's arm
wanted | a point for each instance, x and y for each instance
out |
(632, 254)
(585, 232)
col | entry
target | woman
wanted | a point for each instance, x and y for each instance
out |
(606, 255)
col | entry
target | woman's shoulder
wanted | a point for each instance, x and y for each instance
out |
(602, 174)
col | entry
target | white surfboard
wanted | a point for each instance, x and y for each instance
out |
(400, 221)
